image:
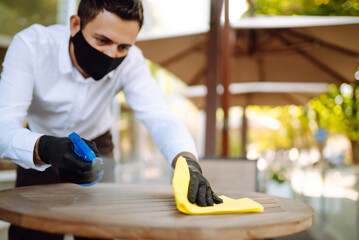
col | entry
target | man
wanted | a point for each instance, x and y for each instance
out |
(64, 81)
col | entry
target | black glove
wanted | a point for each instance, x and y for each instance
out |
(199, 190)
(59, 152)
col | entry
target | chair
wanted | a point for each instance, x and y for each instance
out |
(231, 173)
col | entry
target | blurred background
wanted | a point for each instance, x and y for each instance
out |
(269, 81)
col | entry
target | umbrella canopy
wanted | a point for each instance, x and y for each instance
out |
(268, 49)
(264, 93)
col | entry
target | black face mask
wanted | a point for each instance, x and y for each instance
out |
(95, 63)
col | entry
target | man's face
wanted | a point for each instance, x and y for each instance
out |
(108, 33)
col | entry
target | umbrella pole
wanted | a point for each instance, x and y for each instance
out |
(213, 71)
(244, 132)
(225, 80)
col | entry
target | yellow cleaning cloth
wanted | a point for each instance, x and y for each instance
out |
(180, 184)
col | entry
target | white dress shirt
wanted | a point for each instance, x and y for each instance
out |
(40, 83)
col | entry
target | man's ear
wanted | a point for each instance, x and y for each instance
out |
(75, 24)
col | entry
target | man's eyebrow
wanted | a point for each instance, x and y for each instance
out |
(103, 36)
(125, 45)
(109, 40)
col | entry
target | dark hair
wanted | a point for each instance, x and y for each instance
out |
(125, 9)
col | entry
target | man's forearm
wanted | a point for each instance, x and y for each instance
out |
(37, 159)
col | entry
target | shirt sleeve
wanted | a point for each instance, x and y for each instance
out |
(16, 91)
(146, 99)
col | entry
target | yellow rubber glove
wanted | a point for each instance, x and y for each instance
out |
(180, 184)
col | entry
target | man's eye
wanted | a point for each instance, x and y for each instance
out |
(101, 40)
(123, 48)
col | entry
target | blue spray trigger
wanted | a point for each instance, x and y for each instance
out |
(81, 148)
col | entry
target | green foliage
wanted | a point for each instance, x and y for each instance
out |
(279, 176)
(293, 131)
(307, 7)
(338, 110)
(16, 15)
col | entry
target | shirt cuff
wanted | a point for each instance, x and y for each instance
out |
(24, 148)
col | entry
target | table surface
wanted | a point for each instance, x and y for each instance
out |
(144, 212)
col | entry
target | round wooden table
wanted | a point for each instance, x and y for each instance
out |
(144, 212)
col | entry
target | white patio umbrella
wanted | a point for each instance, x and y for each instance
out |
(268, 49)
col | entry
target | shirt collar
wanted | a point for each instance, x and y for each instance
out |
(65, 63)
